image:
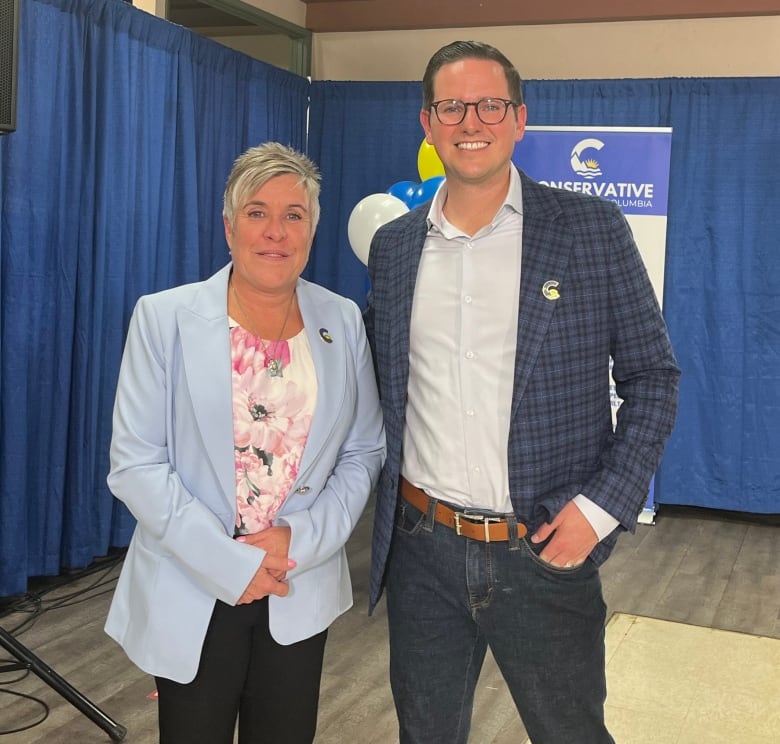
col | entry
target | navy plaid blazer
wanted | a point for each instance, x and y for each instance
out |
(561, 439)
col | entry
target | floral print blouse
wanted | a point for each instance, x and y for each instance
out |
(271, 421)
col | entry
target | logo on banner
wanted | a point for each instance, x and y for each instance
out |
(626, 166)
(629, 194)
(588, 168)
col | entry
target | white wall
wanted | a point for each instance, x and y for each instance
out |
(716, 47)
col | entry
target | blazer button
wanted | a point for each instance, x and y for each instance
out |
(302, 489)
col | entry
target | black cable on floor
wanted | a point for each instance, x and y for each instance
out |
(44, 716)
(35, 604)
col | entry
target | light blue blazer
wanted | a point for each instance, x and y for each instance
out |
(172, 464)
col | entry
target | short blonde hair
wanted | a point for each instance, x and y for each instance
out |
(258, 165)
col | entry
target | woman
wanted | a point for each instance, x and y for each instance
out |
(247, 438)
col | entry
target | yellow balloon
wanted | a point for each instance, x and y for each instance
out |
(428, 162)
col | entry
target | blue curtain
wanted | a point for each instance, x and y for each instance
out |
(111, 187)
(722, 282)
(724, 296)
(365, 138)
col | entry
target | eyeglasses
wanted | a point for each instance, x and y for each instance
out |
(489, 110)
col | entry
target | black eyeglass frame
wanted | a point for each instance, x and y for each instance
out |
(506, 101)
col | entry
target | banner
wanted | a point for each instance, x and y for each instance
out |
(628, 165)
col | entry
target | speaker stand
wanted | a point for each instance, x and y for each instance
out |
(28, 660)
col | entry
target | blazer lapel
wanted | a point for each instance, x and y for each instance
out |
(406, 263)
(546, 250)
(205, 342)
(323, 321)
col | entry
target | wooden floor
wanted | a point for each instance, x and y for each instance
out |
(714, 569)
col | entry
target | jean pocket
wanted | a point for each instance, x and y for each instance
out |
(534, 550)
(408, 519)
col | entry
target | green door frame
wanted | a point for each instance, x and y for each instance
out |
(300, 38)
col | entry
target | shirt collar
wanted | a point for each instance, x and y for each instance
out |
(512, 202)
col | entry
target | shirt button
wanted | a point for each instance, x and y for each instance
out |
(469, 354)
(467, 299)
(470, 412)
(477, 470)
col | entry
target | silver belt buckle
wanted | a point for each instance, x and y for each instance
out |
(475, 519)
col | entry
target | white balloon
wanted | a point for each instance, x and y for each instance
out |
(368, 215)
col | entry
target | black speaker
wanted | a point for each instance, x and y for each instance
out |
(9, 41)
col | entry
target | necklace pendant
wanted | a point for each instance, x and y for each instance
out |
(274, 368)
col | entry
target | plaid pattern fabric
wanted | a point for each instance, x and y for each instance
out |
(585, 296)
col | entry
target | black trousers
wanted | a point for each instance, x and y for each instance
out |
(272, 690)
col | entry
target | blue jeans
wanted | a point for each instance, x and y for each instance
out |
(449, 598)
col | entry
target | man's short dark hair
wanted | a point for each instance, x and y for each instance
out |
(458, 50)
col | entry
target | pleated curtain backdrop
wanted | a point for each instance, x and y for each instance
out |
(365, 138)
(111, 187)
(723, 263)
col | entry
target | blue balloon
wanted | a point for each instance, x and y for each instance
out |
(425, 191)
(403, 190)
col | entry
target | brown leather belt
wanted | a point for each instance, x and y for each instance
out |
(475, 526)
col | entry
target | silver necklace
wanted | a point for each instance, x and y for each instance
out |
(273, 364)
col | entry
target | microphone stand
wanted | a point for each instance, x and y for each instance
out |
(28, 660)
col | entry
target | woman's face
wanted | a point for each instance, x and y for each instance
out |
(271, 235)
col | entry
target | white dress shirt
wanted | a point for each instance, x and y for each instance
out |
(462, 357)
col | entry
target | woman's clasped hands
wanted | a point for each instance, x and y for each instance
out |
(271, 577)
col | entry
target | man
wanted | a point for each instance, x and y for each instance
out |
(493, 315)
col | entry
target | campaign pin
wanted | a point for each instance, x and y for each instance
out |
(549, 290)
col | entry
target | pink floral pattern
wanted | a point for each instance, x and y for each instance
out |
(271, 421)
